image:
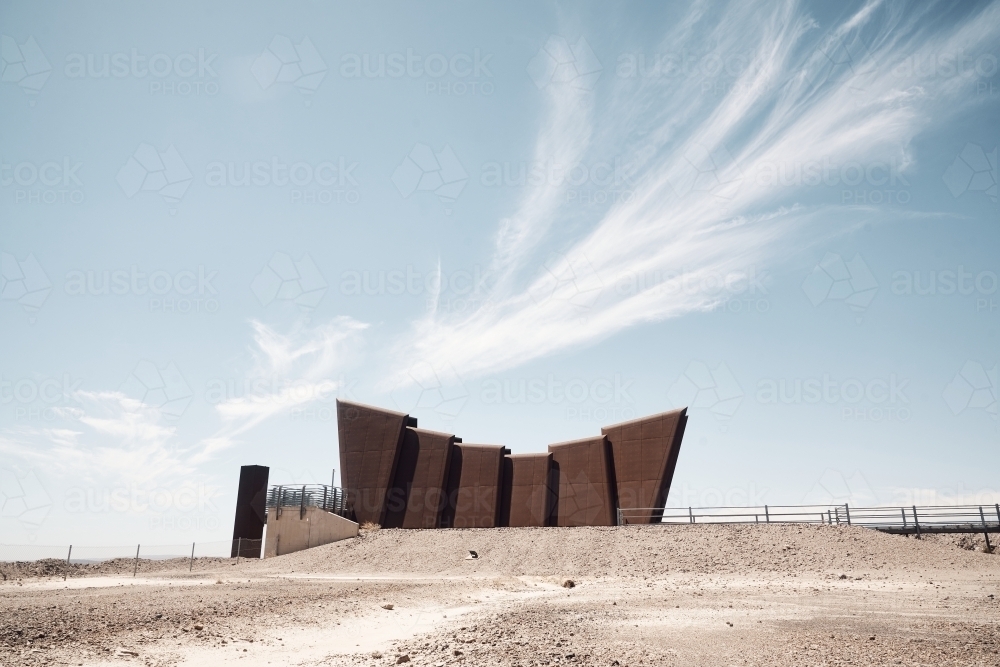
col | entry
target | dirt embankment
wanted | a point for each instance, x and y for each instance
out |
(632, 551)
(682, 595)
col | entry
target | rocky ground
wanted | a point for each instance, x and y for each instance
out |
(683, 595)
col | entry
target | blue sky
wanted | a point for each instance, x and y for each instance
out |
(516, 222)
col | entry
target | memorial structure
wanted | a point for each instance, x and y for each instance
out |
(400, 476)
(397, 475)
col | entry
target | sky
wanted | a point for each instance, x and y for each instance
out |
(518, 222)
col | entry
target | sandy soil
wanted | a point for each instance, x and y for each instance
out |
(681, 595)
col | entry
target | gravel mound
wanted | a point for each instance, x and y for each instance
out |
(630, 551)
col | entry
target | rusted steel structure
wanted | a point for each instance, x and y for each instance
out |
(251, 513)
(418, 495)
(370, 441)
(527, 497)
(475, 483)
(583, 476)
(644, 452)
(401, 476)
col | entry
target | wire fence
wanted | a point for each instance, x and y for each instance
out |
(81, 554)
(912, 520)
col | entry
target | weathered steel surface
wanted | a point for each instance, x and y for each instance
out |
(527, 499)
(417, 495)
(644, 452)
(251, 498)
(474, 483)
(370, 440)
(584, 481)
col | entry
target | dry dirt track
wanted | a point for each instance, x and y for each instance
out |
(684, 595)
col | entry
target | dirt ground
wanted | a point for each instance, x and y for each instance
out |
(680, 595)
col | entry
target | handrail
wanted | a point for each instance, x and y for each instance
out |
(895, 519)
(329, 498)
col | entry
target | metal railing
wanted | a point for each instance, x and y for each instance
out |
(912, 520)
(329, 498)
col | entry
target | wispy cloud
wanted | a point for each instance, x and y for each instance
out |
(297, 368)
(105, 437)
(701, 205)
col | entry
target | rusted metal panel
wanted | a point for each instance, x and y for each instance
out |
(527, 498)
(251, 496)
(474, 483)
(417, 495)
(370, 440)
(644, 453)
(584, 482)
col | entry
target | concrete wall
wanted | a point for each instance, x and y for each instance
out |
(289, 533)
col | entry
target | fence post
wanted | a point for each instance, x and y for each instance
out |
(998, 513)
(690, 515)
(767, 514)
(191, 564)
(916, 521)
(135, 568)
(986, 533)
(903, 512)
(69, 553)
(302, 503)
(847, 511)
